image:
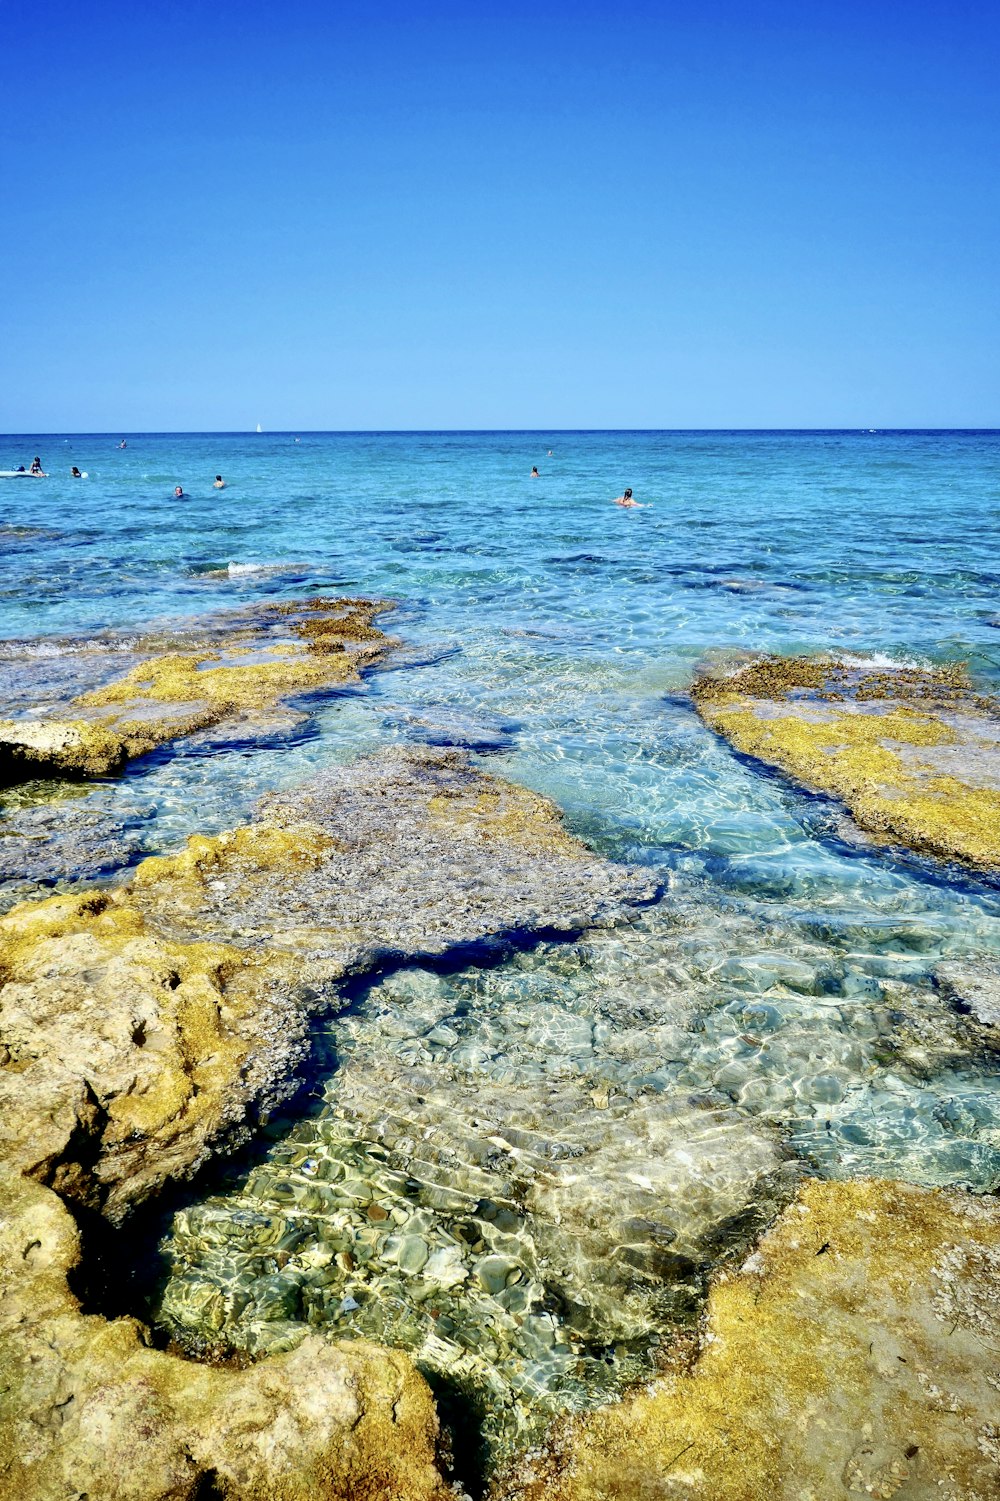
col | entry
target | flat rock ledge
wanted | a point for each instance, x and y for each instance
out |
(855, 1354)
(913, 753)
(239, 668)
(142, 1028)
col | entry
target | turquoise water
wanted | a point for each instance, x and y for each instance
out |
(784, 985)
(559, 625)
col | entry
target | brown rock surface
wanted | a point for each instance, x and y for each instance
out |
(856, 1353)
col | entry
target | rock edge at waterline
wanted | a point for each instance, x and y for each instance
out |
(242, 671)
(856, 1353)
(141, 1027)
(913, 753)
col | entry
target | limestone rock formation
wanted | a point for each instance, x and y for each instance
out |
(88, 1410)
(239, 666)
(912, 753)
(856, 1353)
(139, 1026)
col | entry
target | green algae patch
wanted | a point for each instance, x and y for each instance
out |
(257, 847)
(855, 1353)
(243, 672)
(251, 685)
(914, 755)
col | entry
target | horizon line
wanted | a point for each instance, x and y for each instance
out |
(330, 432)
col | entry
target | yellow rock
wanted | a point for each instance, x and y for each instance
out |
(857, 1353)
(927, 776)
(176, 693)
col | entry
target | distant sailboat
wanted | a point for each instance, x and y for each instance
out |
(259, 428)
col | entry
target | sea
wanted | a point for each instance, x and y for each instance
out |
(787, 974)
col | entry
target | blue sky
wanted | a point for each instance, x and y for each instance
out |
(351, 215)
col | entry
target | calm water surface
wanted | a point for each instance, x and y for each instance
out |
(775, 1014)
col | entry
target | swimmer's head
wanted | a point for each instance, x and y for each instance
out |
(628, 494)
(178, 491)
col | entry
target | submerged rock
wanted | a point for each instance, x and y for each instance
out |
(855, 1354)
(974, 990)
(140, 1026)
(183, 682)
(88, 1409)
(913, 753)
(54, 840)
(500, 1176)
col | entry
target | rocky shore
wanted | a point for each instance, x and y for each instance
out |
(853, 1354)
(240, 667)
(911, 752)
(499, 1206)
(144, 1027)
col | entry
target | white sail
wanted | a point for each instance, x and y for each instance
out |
(259, 428)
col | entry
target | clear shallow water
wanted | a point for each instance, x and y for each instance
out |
(776, 1013)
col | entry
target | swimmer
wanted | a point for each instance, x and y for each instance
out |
(36, 468)
(179, 493)
(218, 483)
(534, 473)
(76, 473)
(123, 444)
(626, 500)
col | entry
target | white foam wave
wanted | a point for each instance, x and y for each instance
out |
(882, 661)
(15, 648)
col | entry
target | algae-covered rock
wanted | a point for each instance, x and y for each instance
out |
(239, 667)
(403, 853)
(856, 1353)
(141, 1026)
(914, 754)
(88, 1409)
(147, 1019)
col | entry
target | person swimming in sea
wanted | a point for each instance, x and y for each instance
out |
(123, 444)
(76, 473)
(534, 472)
(218, 483)
(626, 500)
(36, 468)
(179, 493)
